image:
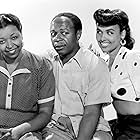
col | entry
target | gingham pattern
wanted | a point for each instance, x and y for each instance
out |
(21, 91)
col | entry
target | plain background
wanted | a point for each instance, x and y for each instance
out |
(36, 15)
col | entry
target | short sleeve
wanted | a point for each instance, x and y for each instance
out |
(99, 83)
(47, 83)
(133, 69)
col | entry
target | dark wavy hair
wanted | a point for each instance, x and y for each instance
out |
(75, 20)
(115, 17)
(10, 19)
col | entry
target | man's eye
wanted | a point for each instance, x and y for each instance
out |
(2, 41)
(53, 34)
(64, 33)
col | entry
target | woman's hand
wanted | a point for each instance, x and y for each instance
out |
(15, 133)
(5, 134)
(12, 133)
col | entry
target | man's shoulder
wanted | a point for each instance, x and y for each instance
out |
(91, 59)
(87, 55)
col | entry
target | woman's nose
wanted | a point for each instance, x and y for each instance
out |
(103, 37)
(9, 44)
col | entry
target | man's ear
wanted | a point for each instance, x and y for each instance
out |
(78, 34)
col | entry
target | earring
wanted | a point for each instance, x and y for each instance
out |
(122, 42)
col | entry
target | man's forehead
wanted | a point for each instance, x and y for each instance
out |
(61, 22)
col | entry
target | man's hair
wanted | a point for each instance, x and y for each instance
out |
(10, 19)
(75, 20)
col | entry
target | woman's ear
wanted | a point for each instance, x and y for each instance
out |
(123, 34)
(78, 34)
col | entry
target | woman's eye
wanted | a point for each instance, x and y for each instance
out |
(14, 37)
(98, 32)
(110, 33)
(2, 41)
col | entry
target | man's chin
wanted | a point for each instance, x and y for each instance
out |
(60, 52)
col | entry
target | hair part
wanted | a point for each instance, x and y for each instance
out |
(115, 17)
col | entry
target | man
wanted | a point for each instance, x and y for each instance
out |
(82, 85)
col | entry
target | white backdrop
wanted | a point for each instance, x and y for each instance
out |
(36, 16)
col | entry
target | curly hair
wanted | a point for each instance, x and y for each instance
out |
(115, 17)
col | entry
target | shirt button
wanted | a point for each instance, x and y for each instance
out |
(137, 99)
(9, 95)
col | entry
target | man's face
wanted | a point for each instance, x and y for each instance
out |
(63, 36)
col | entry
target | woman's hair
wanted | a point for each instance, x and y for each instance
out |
(75, 20)
(10, 19)
(115, 17)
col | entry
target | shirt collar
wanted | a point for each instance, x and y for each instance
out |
(77, 57)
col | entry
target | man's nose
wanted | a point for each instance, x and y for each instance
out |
(58, 37)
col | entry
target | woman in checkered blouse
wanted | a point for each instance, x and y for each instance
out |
(26, 85)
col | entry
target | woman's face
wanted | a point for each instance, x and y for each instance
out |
(10, 42)
(108, 38)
